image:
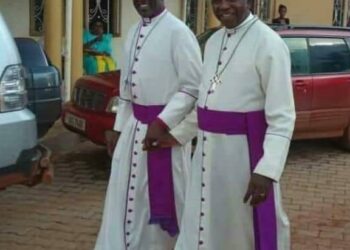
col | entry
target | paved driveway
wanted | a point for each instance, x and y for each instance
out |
(67, 214)
(316, 187)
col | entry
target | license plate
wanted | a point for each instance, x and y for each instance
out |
(75, 122)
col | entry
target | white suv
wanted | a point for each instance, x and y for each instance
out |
(22, 159)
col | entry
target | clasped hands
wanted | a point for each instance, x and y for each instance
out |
(158, 137)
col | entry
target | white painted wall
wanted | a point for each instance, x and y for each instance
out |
(16, 14)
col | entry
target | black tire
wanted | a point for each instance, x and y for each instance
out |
(344, 141)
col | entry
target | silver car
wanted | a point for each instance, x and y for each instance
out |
(22, 159)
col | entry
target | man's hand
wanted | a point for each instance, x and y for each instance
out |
(154, 132)
(258, 189)
(168, 141)
(165, 141)
(112, 138)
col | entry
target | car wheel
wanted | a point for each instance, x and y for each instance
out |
(345, 139)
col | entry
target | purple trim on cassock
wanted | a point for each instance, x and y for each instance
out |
(160, 177)
(253, 125)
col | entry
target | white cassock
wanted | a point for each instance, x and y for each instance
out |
(245, 125)
(160, 79)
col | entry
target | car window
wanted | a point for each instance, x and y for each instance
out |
(329, 55)
(299, 55)
(31, 53)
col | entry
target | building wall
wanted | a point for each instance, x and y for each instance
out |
(313, 12)
(13, 9)
(16, 15)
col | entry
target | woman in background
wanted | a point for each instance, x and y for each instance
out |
(97, 50)
(282, 10)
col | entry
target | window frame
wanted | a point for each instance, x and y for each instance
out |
(330, 37)
(308, 53)
(115, 9)
(36, 12)
(308, 37)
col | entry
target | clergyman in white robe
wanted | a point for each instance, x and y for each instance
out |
(159, 80)
(245, 125)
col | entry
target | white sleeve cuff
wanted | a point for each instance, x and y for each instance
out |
(272, 163)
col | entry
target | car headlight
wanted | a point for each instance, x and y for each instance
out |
(13, 94)
(112, 106)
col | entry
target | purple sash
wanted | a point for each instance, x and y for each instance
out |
(252, 124)
(160, 177)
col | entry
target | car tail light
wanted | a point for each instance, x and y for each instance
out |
(13, 94)
(112, 106)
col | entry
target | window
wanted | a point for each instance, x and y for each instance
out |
(338, 12)
(106, 11)
(192, 13)
(299, 55)
(329, 55)
(36, 17)
(253, 6)
(264, 7)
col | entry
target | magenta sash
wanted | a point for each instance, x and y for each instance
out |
(253, 125)
(160, 177)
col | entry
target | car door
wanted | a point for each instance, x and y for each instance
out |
(302, 83)
(330, 66)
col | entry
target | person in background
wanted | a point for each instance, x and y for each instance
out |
(97, 50)
(282, 10)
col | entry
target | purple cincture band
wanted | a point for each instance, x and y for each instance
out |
(253, 125)
(160, 177)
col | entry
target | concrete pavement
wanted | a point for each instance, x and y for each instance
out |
(66, 215)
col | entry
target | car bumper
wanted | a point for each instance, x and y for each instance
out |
(32, 167)
(46, 112)
(94, 124)
(18, 132)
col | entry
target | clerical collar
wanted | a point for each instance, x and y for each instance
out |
(149, 20)
(241, 25)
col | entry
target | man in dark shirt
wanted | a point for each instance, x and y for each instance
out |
(282, 10)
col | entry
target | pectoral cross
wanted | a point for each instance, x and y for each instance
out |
(215, 81)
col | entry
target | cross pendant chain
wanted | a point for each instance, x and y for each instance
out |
(215, 81)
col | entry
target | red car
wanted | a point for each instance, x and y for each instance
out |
(93, 107)
(321, 83)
